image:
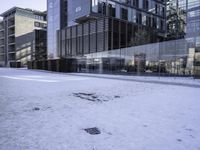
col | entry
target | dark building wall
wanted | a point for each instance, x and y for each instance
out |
(85, 38)
(103, 34)
(64, 13)
(40, 52)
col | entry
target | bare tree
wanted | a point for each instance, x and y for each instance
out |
(176, 20)
(141, 37)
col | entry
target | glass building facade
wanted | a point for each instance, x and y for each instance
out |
(128, 36)
(57, 18)
(151, 13)
(193, 23)
(171, 58)
(101, 25)
(102, 35)
(144, 12)
(53, 7)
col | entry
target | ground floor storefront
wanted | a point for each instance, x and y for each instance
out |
(172, 58)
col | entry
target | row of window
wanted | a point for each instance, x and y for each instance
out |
(101, 35)
(144, 5)
(130, 14)
(136, 2)
(38, 17)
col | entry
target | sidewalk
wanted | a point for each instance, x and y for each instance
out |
(177, 81)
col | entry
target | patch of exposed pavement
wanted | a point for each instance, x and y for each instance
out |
(94, 97)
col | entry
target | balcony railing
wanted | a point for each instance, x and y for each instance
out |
(11, 40)
(1, 50)
(1, 42)
(1, 26)
(11, 22)
(1, 36)
(11, 56)
(11, 32)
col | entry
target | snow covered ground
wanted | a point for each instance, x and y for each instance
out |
(49, 111)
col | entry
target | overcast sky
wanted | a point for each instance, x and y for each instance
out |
(33, 4)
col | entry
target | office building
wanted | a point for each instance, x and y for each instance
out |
(18, 32)
(136, 22)
(121, 36)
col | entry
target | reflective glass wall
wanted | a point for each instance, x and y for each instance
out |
(193, 22)
(164, 59)
(54, 24)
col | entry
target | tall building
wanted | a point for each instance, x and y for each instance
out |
(77, 27)
(18, 32)
(118, 36)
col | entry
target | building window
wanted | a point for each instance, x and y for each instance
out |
(130, 18)
(136, 3)
(102, 8)
(161, 24)
(152, 7)
(124, 13)
(134, 15)
(148, 21)
(158, 23)
(156, 8)
(144, 19)
(146, 4)
(118, 11)
(111, 10)
(139, 18)
(140, 4)
(94, 5)
(163, 11)
(154, 22)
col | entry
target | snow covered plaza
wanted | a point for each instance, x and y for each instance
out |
(50, 111)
